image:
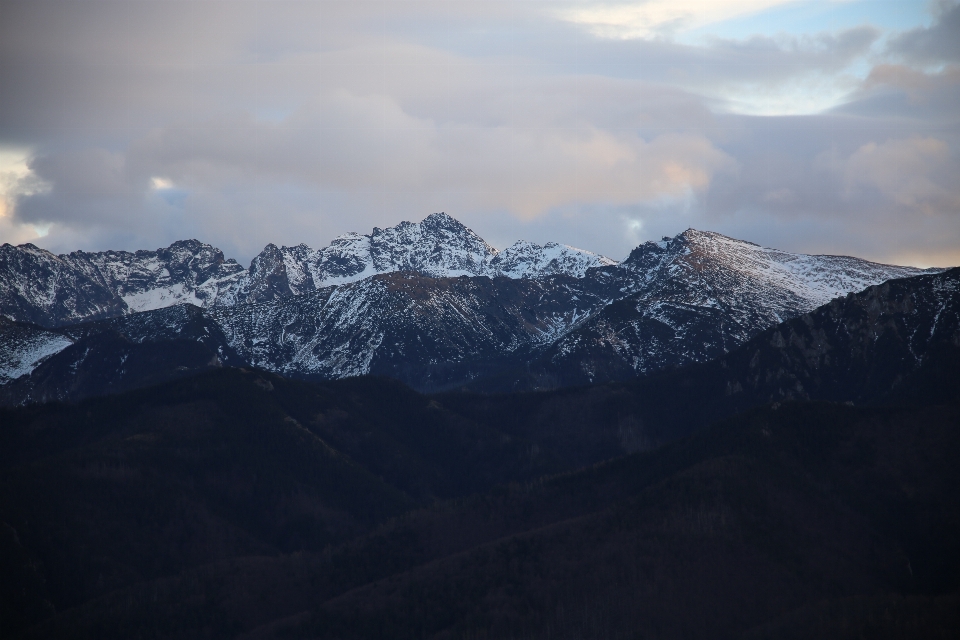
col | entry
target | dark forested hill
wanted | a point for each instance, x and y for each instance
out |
(804, 484)
(840, 517)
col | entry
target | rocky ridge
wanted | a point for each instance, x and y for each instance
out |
(529, 316)
(693, 298)
(50, 290)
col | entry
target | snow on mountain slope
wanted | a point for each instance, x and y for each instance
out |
(530, 260)
(438, 246)
(816, 279)
(40, 287)
(407, 301)
(23, 347)
(698, 295)
(415, 328)
(757, 285)
(187, 271)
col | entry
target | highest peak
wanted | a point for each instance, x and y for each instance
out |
(433, 222)
(191, 245)
(443, 220)
(437, 228)
(188, 243)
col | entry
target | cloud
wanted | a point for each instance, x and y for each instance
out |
(934, 45)
(17, 180)
(249, 122)
(652, 18)
(87, 186)
(370, 146)
(917, 174)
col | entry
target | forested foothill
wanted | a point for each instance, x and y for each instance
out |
(804, 485)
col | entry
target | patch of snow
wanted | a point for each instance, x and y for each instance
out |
(160, 298)
(23, 349)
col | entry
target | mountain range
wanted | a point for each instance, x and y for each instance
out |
(428, 303)
(40, 287)
(767, 448)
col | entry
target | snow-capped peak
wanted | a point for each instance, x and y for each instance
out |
(714, 266)
(438, 246)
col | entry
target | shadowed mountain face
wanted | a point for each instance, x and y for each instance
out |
(428, 332)
(109, 356)
(238, 502)
(859, 348)
(899, 340)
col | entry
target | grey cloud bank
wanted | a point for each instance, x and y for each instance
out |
(131, 125)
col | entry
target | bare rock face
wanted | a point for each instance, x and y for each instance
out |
(39, 287)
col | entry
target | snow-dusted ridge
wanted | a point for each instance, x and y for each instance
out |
(735, 266)
(700, 294)
(525, 259)
(50, 290)
(394, 302)
(438, 246)
(54, 290)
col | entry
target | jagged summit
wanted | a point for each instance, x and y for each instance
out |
(439, 246)
(50, 290)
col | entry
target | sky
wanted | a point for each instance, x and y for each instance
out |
(819, 126)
